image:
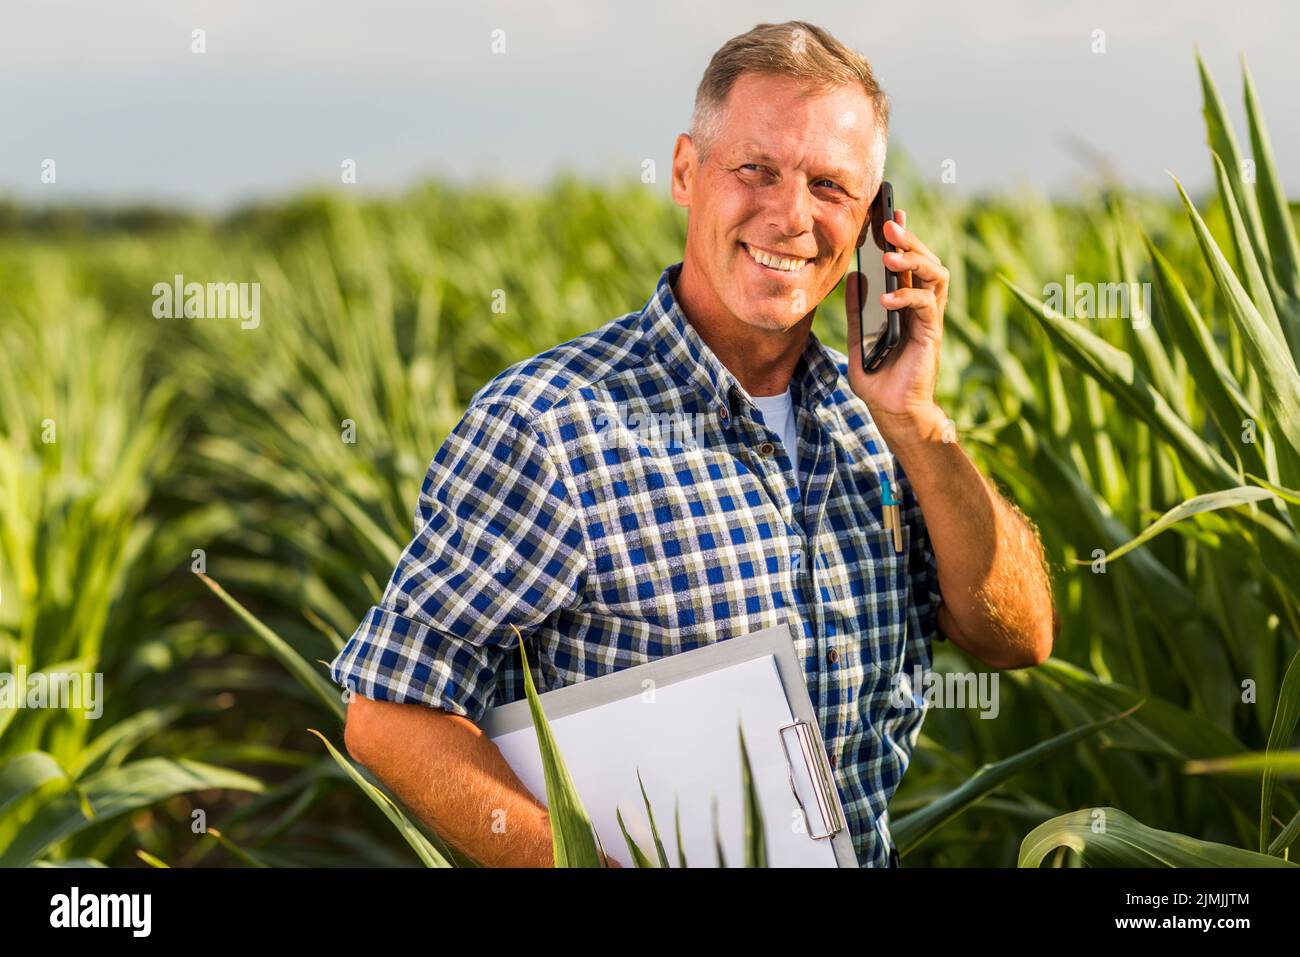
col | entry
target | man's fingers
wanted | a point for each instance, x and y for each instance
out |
(927, 270)
(919, 299)
(905, 240)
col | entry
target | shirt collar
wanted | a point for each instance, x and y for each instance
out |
(666, 330)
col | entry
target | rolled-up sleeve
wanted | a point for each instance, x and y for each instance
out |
(497, 543)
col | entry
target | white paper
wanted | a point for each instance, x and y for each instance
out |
(684, 740)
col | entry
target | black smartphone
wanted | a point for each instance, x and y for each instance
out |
(881, 327)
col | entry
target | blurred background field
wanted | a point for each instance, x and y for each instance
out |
(193, 440)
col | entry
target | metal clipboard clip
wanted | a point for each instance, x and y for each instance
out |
(819, 775)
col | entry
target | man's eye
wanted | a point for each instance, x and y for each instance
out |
(828, 182)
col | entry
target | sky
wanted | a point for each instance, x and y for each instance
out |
(1011, 92)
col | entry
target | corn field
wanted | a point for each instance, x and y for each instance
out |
(181, 509)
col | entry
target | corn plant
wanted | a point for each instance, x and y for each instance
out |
(1209, 413)
(86, 440)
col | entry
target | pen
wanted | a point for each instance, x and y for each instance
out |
(889, 513)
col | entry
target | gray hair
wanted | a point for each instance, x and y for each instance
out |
(794, 49)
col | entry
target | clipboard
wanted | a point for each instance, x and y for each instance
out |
(692, 747)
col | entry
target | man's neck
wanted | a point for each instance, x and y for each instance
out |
(763, 361)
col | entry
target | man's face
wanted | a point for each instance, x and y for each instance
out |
(790, 177)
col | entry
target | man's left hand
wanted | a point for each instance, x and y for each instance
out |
(901, 394)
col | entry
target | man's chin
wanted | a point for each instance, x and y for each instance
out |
(772, 316)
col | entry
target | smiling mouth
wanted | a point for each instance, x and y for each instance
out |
(774, 261)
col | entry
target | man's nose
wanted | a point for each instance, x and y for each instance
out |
(791, 207)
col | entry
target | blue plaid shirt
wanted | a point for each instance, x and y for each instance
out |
(618, 499)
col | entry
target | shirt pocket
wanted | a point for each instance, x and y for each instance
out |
(881, 594)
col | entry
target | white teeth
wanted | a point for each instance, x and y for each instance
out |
(774, 262)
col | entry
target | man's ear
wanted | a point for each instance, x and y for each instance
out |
(685, 166)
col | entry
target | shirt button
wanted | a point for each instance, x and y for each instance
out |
(767, 448)
(832, 656)
(722, 413)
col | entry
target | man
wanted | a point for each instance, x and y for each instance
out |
(552, 508)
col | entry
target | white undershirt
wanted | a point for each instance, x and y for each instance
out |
(778, 415)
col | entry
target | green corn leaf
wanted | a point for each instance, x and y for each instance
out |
(677, 829)
(114, 792)
(382, 544)
(299, 806)
(1115, 371)
(424, 850)
(910, 830)
(1094, 442)
(1279, 737)
(117, 742)
(654, 830)
(23, 774)
(639, 857)
(1208, 369)
(246, 857)
(1268, 353)
(717, 836)
(1150, 348)
(1274, 210)
(1288, 836)
(1160, 728)
(1250, 272)
(1057, 398)
(1286, 494)
(1197, 652)
(755, 837)
(1107, 837)
(1209, 502)
(297, 665)
(76, 863)
(1005, 364)
(1223, 142)
(1271, 764)
(571, 829)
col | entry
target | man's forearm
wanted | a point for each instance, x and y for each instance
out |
(454, 779)
(997, 598)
